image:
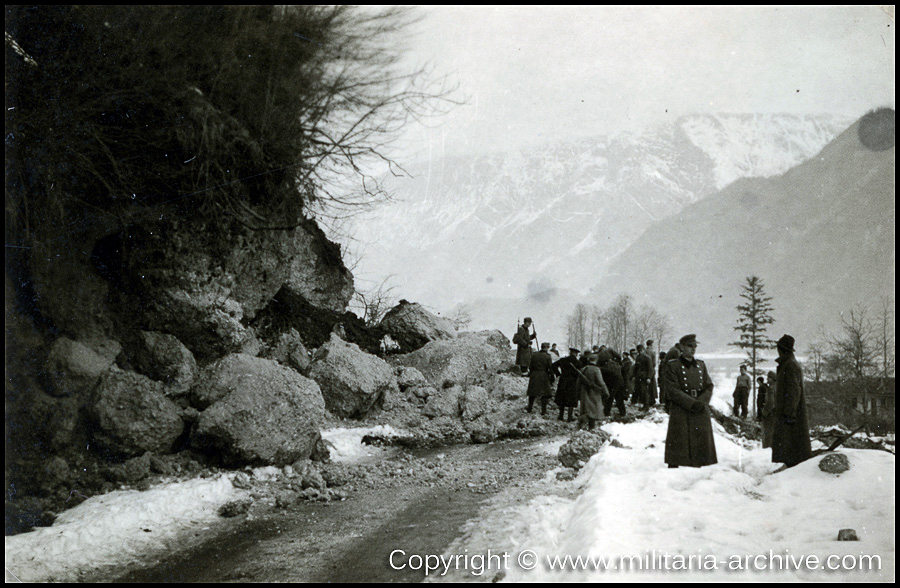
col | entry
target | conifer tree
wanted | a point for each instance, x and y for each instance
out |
(753, 318)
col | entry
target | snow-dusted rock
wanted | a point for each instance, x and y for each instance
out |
(834, 463)
(583, 444)
(132, 415)
(411, 326)
(261, 413)
(353, 382)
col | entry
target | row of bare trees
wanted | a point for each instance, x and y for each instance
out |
(862, 347)
(621, 325)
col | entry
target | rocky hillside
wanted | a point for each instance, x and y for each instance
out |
(468, 227)
(821, 236)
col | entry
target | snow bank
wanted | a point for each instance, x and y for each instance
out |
(116, 528)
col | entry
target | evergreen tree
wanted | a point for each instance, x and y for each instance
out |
(754, 316)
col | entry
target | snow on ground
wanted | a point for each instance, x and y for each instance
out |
(626, 503)
(633, 518)
(116, 528)
(346, 445)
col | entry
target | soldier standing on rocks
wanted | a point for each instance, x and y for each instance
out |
(540, 378)
(790, 438)
(689, 440)
(522, 340)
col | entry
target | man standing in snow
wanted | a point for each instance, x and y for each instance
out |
(642, 367)
(522, 340)
(651, 353)
(741, 393)
(567, 370)
(790, 438)
(689, 440)
(593, 393)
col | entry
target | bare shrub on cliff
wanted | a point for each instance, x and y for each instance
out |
(250, 114)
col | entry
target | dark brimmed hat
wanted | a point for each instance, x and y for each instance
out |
(786, 342)
(573, 350)
(545, 346)
(689, 340)
(527, 319)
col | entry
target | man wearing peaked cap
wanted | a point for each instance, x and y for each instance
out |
(540, 378)
(688, 387)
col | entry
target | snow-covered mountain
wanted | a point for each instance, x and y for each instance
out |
(517, 223)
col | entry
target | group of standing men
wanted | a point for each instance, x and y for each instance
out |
(603, 378)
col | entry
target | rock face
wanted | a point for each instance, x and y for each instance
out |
(411, 326)
(352, 381)
(467, 357)
(578, 450)
(259, 412)
(834, 463)
(132, 415)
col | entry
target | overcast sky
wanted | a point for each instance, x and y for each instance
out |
(532, 73)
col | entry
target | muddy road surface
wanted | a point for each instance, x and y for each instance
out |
(352, 540)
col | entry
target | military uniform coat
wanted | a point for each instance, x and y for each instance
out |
(642, 367)
(523, 346)
(688, 387)
(566, 389)
(768, 416)
(790, 441)
(592, 393)
(540, 376)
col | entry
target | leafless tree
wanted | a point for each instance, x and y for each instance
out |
(853, 353)
(371, 305)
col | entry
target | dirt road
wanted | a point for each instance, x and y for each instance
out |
(351, 540)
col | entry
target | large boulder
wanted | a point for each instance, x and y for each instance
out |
(444, 403)
(73, 367)
(260, 412)
(288, 349)
(460, 360)
(131, 415)
(411, 326)
(164, 358)
(353, 382)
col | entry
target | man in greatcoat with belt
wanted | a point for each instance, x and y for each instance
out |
(790, 438)
(689, 440)
(522, 340)
(540, 377)
(566, 369)
(642, 367)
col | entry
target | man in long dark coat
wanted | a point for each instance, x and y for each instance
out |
(790, 438)
(642, 367)
(522, 340)
(689, 440)
(592, 392)
(540, 377)
(566, 393)
(628, 374)
(612, 375)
